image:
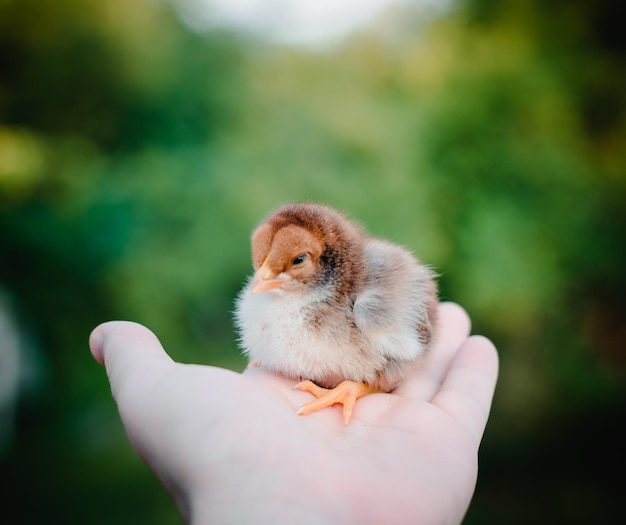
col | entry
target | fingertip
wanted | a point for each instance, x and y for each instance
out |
(452, 321)
(487, 351)
(123, 338)
(454, 310)
(100, 334)
(96, 344)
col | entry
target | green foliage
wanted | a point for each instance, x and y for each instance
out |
(136, 156)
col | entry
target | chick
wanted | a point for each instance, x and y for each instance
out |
(348, 314)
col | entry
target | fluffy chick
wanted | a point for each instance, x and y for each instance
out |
(348, 313)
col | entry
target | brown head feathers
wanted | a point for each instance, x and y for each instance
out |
(333, 243)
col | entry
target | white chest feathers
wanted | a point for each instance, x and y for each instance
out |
(288, 333)
(307, 336)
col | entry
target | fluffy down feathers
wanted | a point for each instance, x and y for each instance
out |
(328, 303)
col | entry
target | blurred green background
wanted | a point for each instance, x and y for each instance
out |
(137, 154)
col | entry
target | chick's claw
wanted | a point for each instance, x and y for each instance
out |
(345, 393)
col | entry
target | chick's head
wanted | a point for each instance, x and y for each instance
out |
(286, 259)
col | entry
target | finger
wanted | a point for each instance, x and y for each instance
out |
(467, 391)
(453, 327)
(130, 353)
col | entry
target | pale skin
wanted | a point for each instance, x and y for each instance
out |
(230, 448)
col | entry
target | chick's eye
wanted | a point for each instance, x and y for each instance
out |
(299, 259)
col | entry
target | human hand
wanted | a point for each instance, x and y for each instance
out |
(230, 448)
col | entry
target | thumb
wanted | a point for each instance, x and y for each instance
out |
(128, 351)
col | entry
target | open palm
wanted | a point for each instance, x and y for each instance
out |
(230, 448)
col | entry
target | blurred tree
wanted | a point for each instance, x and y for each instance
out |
(91, 92)
(120, 76)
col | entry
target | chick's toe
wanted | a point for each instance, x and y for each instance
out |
(345, 393)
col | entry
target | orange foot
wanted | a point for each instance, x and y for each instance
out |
(345, 393)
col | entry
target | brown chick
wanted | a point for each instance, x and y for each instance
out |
(350, 314)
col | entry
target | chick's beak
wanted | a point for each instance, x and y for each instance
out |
(265, 280)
